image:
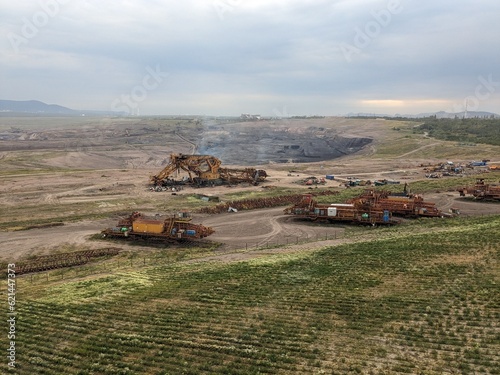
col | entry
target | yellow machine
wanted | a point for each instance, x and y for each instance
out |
(205, 170)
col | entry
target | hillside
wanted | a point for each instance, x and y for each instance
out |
(470, 130)
(38, 108)
(406, 302)
(33, 106)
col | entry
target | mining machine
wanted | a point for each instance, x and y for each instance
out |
(482, 190)
(308, 208)
(205, 170)
(170, 228)
(404, 204)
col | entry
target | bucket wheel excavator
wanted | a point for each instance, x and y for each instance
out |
(205, 170)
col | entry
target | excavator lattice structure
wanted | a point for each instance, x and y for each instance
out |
(309, 208)
(403, 204)
(482, 190)
(205, 170)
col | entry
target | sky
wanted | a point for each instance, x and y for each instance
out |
(273, 58)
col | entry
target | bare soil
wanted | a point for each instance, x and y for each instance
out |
(93, 170)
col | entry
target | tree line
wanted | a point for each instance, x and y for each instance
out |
(470, 130)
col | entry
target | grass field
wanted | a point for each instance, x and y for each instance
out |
(405, 301)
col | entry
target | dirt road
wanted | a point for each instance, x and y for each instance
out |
(239, 230)
(265, 227)
(62, 170)
(16, 245)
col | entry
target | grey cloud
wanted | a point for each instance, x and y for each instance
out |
(265, 54)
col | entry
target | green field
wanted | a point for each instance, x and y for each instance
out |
(395, 300)
(470, 130)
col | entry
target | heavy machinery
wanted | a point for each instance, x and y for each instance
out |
(482, 190)
(344, 212)
(205, 170)
(404, 204)
(139, 226)
(309, 181)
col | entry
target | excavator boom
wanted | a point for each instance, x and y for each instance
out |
(203, 169)
(202, 166)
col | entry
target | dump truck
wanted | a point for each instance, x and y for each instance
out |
(482, 163)
(308, 208)
(204, 170)
(176, 228)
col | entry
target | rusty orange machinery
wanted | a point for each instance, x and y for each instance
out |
(343, 212)
(138, 225)
(405, 204)
(482, 190)
(205, 170)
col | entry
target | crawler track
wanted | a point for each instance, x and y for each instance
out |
(158, 241)
(62, 260)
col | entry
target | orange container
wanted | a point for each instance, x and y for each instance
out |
(148, 226)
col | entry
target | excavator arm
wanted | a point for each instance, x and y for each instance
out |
(202, 166)
(206, 168)
(164, 174)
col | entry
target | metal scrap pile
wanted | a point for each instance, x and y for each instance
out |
(482, 190)
(402, 204)
(256, 203)
(54, 261)
(312, 181)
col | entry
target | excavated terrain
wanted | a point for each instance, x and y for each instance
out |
(291, 142)
(86, 172)
(126, 142)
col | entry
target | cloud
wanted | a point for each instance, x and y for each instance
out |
(223, 56)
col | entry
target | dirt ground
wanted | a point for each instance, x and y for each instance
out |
(240, 230)
(83, 169)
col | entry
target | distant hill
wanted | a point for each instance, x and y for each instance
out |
(363, 114)
(443, 114)
(440, 114)
(38, 108)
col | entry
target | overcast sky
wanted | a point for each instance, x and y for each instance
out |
(273, 57)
